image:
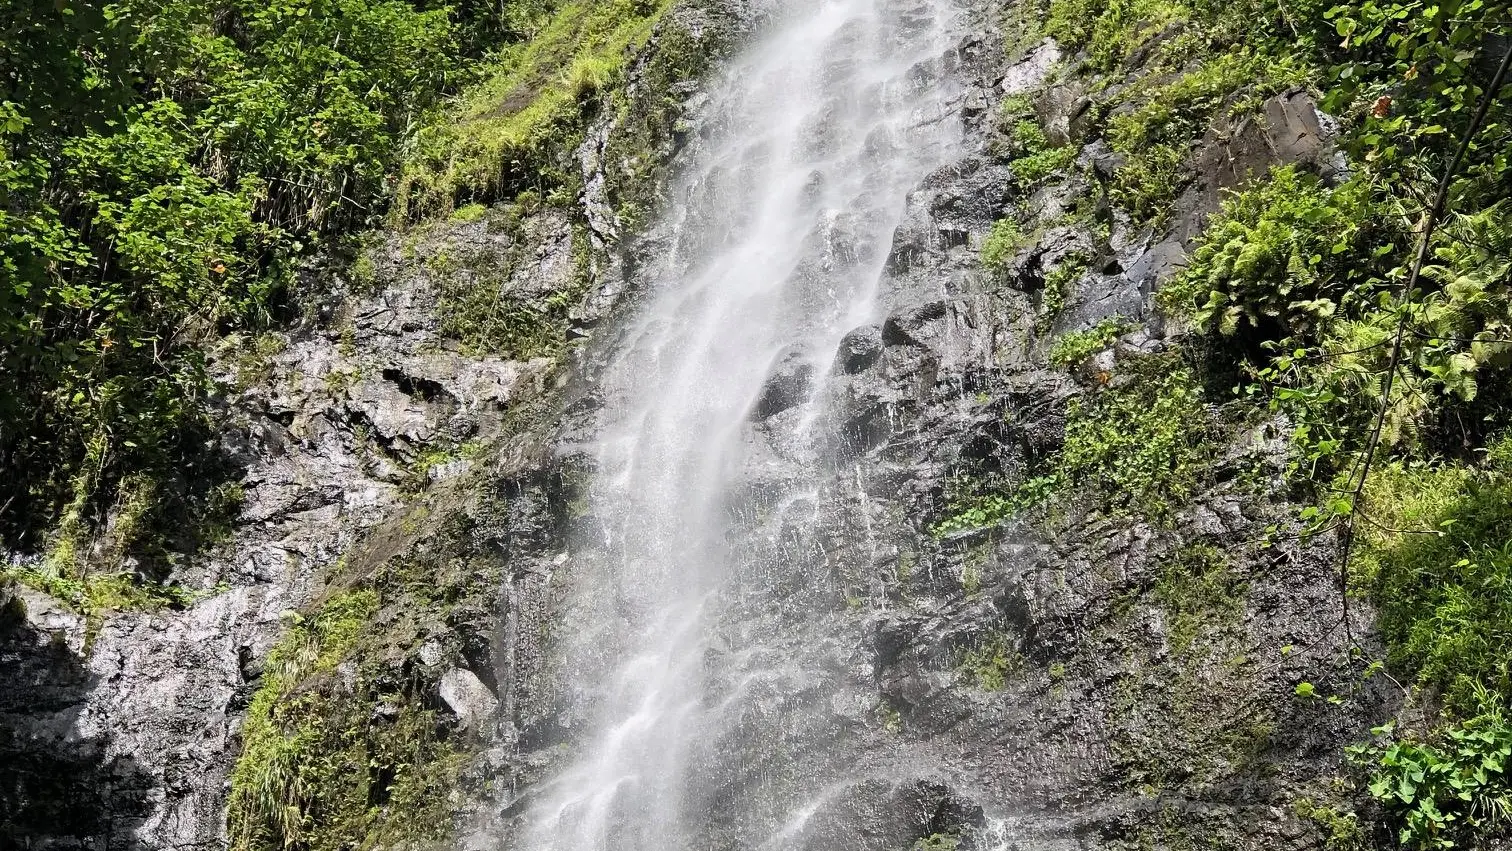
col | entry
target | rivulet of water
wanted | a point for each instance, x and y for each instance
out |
(781, 224)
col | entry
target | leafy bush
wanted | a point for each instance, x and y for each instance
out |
(1279, 256)
(1110, 31)
(1041, 164)
(1447, 791)
(1030, 153)
(161, 166)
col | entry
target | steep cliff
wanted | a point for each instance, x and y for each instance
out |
(1056, 586)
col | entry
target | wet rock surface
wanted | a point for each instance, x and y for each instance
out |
(1100, 723)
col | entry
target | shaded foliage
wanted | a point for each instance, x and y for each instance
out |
(162, 167)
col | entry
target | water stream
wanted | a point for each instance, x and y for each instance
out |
(699, 715)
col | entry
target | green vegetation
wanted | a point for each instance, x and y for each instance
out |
(990, 662)
(1280, 253)
(1033, 157)
(322, 764)
(1197, 62)
(162, 169)
(938, 842)
(1444, 584)
(1057, 288)
(1197, 591)
(474, 305)
(1074, 348)
(1001, 244)
(1341, 830)
(1311, 291)
(513, 132)
(344, 745)
(1155, 135)
(1139, 445)
(1448, 791)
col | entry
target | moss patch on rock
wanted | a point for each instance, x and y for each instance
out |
(347, 742)
(510, 132)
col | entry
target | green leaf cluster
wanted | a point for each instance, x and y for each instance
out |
(1279, 258)
(1449, 790)
(1074, 348)
(1001, 244)
(1139, 446)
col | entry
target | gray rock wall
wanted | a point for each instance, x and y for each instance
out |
(1100, 723)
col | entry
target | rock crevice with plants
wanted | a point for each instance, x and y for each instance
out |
(1174, 502)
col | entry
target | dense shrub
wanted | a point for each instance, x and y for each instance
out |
(162, 167)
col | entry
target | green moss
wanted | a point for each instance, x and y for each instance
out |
(1001, 244)
(331, 758)
(650, 122)
(85, 567)
(938, 842)
(1142, 443)
(515, 129)
(1077, 346)
(1444, 584)
(1198, 593)
(990, 663)
(1057, 289)
(469, 213)
(476, 307)
(1340, 829)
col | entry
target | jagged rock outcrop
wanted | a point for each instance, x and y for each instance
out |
(1036, 684)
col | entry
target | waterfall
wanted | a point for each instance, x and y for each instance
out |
(704, 724)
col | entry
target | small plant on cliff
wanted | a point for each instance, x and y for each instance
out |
(990, 662)
(1075, 347)
(1001, 244)
(334, 757)
(1447, 791)
(938, 842)
(1141, 443)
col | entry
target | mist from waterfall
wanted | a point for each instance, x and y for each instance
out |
(781, 223)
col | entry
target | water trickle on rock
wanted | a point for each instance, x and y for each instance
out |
(705, 724)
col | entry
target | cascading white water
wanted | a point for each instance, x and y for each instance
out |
(781, 224)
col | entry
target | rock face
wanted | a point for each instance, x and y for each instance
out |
(1026, 685)
(337, 427)
(373, 420)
